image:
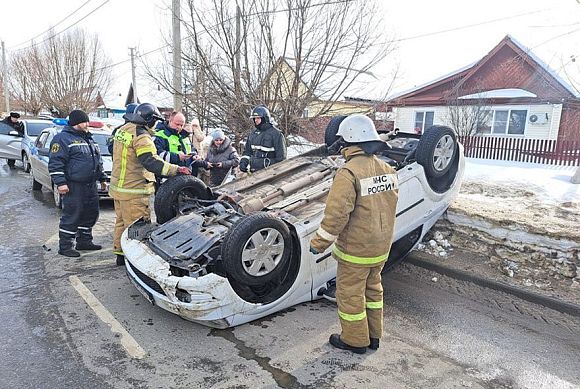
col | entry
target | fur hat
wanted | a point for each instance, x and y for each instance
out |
(77, 117)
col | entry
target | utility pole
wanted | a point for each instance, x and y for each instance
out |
(133, 79)
(177, 92)
(5, 78)
(237, 82)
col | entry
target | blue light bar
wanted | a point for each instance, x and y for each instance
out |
(60, 121)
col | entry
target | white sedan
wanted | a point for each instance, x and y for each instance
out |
(229, 255)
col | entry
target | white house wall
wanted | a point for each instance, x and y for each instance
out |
(405, 119)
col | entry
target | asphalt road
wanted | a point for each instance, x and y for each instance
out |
(439, 334)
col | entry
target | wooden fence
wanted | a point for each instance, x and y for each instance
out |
(551, 152)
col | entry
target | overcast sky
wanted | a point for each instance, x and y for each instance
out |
(551, 28)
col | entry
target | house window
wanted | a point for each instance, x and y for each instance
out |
(423, 120)
(502, 121)
(305, 113)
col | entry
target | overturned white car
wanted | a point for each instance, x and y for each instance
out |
(239, 252)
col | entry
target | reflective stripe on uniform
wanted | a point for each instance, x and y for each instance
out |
(325, 234)
(374, 304)
(352, 317)
(263, 148)
(143, 150)
(135, 191)
(245, 157)
(359, 260)
(67, 232)
(123, 167)
(118, 253)
(166, 167)
(53, 173)
(84, 228)
(78, 144)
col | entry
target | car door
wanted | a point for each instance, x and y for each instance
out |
(39, 159)
(10, 142)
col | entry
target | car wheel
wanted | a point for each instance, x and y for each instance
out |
(331, 130)
(57, 197)
(11, 163)
(25, 163)
(172, 193)
(35, 184)
(257, 249)
(436, 150)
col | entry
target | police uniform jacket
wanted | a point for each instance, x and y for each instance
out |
(265, 146)
(135, 163)
(18, 126)
(360, 210)
(75, 157)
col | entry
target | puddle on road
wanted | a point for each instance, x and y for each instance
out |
(282, 378)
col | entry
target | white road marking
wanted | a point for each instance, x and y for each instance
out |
(127, 341)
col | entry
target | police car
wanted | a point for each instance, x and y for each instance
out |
(236, 253)
(40, 149)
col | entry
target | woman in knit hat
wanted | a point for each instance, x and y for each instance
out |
(221, 157)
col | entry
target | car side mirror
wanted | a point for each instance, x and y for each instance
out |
(15, 133)
(43, 152)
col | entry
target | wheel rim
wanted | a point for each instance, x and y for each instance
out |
(262, 252)
(443, 153)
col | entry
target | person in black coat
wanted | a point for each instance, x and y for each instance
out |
(265, 145)
(13, 120)
(75, 166)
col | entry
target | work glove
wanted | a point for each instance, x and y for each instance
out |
(184, 170)
(244, 165)
(313, 250)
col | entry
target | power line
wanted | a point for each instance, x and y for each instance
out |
(469, 25)
(72, 25)
(51, 27)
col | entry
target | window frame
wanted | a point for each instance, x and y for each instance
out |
(423, 121)
(506, 126)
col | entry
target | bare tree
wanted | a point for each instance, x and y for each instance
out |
(61, 73)
(467, 109)
(286, 54)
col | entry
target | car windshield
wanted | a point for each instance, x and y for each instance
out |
(34, 129)
(101, 140)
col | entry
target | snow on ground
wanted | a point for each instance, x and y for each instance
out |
(538, 199)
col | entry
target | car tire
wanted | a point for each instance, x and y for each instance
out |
(11, 163)
(436, 150)
(25, 163)
(170, 193)
(35, 184)
(252, 239)
(331, 130)
(57, 197)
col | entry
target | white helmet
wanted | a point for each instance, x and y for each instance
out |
(358, 128)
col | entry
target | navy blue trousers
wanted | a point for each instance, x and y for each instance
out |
(80, 211)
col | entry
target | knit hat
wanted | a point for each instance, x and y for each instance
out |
(77, 117)
(218, 134)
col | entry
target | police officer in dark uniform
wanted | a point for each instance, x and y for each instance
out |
(13, 120)
(74, 166)
(265, 145)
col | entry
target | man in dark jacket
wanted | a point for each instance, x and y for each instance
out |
(74, 166)
(13, 121)
(265, 145)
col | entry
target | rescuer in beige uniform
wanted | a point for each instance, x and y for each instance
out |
(359, 218)
(135, 164)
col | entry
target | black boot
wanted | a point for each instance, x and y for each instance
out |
(120, 260)
(336, 342)
(87, 246)
(69, 253)
(374, 344)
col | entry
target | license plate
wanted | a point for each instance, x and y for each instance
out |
(141, 289)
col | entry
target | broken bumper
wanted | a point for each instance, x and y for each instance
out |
(208, 300)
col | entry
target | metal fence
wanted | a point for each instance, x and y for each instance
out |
(551, 152)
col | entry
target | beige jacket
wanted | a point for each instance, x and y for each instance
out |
(360, 210)
(135, 163)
